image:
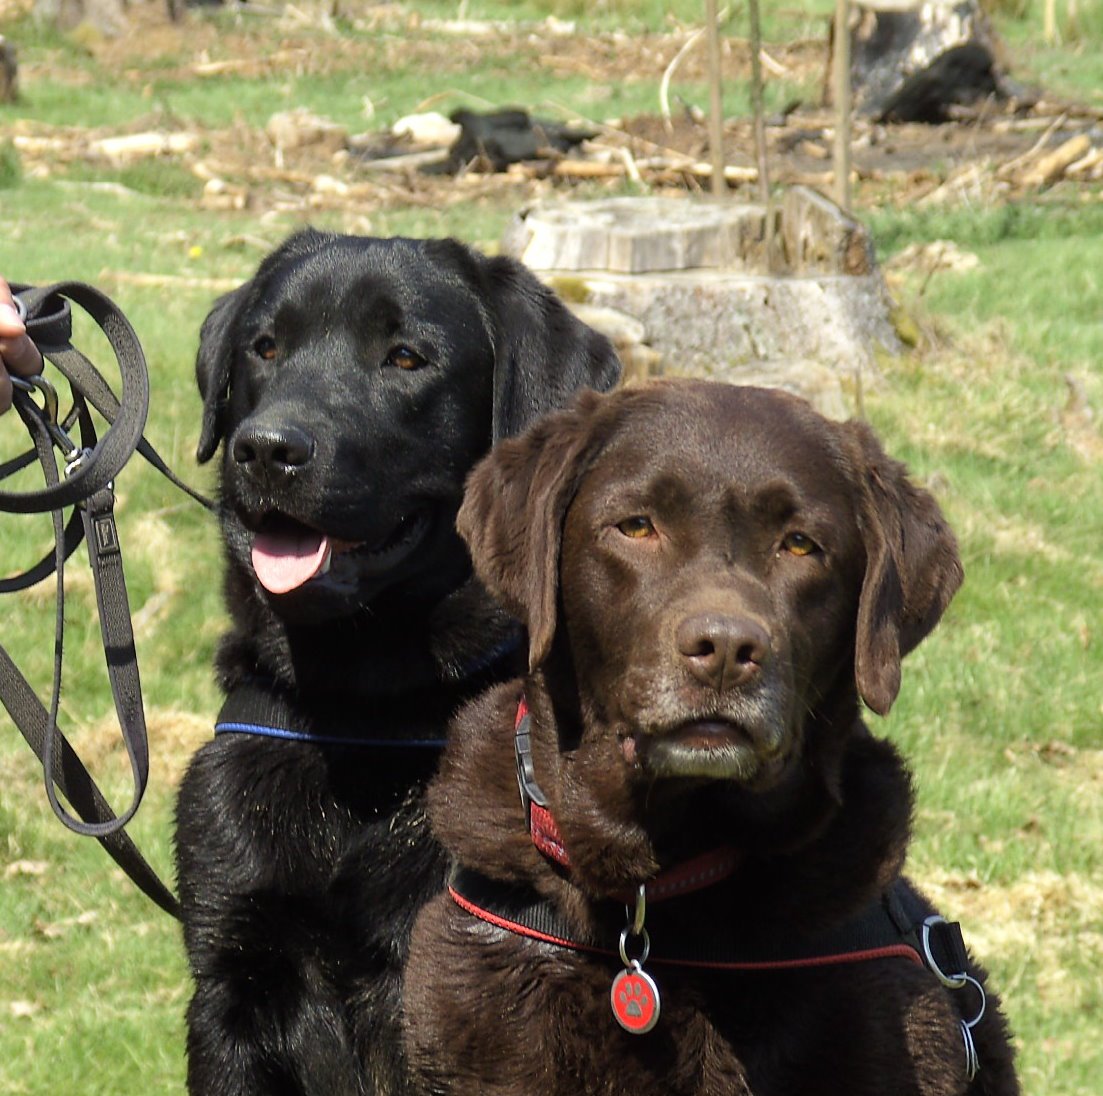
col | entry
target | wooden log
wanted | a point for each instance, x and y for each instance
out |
(1050, 167)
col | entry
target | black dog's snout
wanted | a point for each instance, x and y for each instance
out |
(272, 450)
(723, 652)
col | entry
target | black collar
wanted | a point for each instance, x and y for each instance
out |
(264, 708)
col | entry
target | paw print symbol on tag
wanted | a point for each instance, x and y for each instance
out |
(635, 1000)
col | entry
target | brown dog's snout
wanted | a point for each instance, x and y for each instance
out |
(268, 450)
(722, 651)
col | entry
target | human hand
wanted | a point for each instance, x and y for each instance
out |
(18, 355)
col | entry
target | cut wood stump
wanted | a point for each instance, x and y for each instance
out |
(710, 292)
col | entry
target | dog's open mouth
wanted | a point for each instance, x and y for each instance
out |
(287, 554)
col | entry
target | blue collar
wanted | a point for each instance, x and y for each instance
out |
(265, 731)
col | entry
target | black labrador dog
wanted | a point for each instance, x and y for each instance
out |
(352, 384)
(679, 847)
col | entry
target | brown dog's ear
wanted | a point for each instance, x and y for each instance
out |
(212, 370)
(543, 352)
(912, 569)
(513, 511)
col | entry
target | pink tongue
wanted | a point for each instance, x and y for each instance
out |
(284, 561)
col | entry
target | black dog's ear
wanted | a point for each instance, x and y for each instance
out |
(912, 569)
(513, 511)
(212, 370)
(543, 352)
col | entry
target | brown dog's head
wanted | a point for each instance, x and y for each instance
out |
(717, 566)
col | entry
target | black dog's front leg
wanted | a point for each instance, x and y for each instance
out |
(256, 838)
(266, 1017)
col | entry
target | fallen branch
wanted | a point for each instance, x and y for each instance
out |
(1049, 168)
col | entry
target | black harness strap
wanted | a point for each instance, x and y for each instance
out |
(88, 487)
(886, 928)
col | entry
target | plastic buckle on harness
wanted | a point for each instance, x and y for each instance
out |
(526, 772)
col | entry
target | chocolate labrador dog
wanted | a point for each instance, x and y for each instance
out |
(352, 384)
(698, 888)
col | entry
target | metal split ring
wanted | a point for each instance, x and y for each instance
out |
(644, 953)
(972, 1059)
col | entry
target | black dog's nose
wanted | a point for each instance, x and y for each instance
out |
(723, 652)
(272, 449)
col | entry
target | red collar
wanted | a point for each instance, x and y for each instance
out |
(694, 874)
(888, 928)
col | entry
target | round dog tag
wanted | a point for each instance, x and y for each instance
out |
(635, 1000)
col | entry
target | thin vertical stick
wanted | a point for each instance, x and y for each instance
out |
(1049, 31)
(716, 102)
(842, 104)
(756, 103)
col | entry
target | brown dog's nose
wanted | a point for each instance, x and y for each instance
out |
(272, 450)
(723, 652)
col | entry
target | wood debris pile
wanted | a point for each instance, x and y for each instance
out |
(303, 161)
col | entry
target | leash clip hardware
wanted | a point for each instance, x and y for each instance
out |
(49, 412)
(75, 458)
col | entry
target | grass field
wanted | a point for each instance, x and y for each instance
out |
(997, 409)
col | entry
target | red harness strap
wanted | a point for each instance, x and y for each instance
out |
(495, 904)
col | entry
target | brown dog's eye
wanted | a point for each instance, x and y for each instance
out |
(403, 357)
(636, 527)
(798, 544)
(265, 347)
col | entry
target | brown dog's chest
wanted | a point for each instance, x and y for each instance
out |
(541, 1020)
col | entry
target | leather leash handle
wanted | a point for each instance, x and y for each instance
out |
(50, 331)
(89, 489)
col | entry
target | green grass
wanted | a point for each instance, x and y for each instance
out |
(1000, 711)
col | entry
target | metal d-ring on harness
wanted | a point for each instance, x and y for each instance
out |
(90, 468)
(956, 981)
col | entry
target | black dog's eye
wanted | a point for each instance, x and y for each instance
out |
(265, 348)
(404, 358)
(637, 527)
(798, 544)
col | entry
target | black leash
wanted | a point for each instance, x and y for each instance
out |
(87, 486)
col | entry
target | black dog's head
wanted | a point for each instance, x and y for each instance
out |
(716, 573)
(354, 382)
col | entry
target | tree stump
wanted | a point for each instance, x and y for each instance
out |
(105, 17)
(912, 60)
(713, 293)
